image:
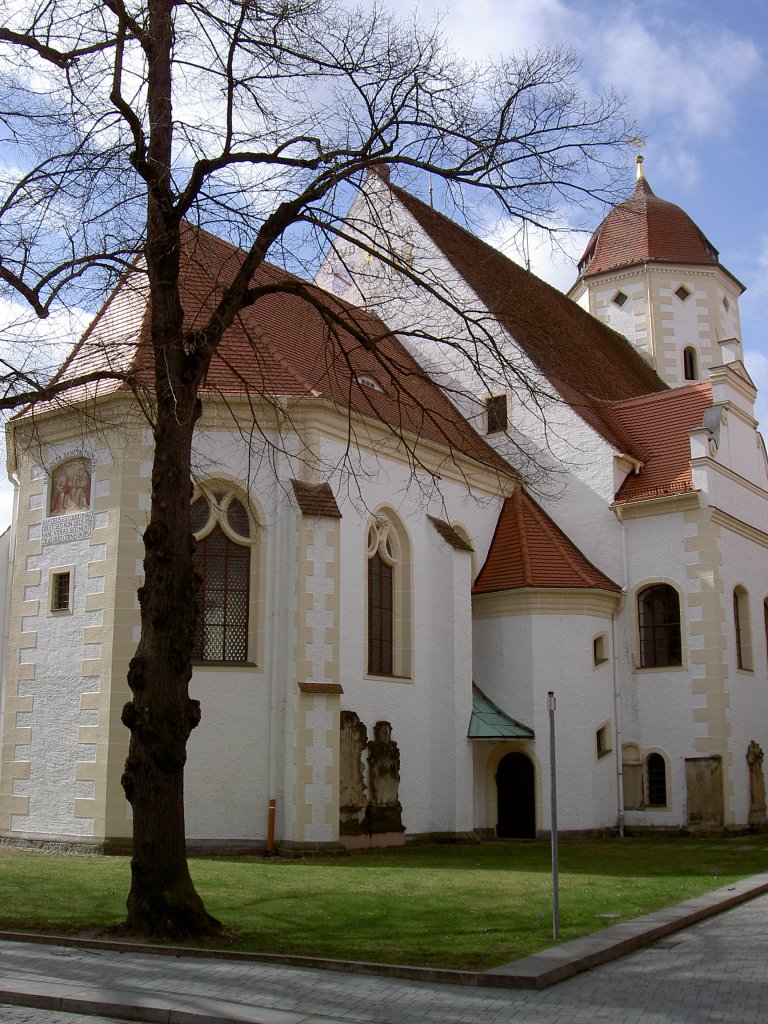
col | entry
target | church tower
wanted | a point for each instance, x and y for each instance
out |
(652, 275)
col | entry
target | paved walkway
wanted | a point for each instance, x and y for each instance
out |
(714, 971)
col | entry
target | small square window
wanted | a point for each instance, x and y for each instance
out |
(603, 740)
(682, 293)
(600, 650)
(60, 592)
(496, 411)
(619, 299)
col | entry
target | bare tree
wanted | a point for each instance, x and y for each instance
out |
(125, 119)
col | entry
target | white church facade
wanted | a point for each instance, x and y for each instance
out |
(400, 562)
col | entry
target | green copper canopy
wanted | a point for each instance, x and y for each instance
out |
(490, 723)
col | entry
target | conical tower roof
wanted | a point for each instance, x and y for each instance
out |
(645, 229)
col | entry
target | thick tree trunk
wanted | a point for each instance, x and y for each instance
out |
(163, 900)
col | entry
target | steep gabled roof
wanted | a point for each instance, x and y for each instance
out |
(658, 428)
(645, 229)
(295, 341)
(529, 550)
(566, 343)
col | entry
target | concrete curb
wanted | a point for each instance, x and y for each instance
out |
(533, 972)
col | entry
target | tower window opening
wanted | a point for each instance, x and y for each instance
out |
(682, 293)
(60, 592)
(496, 413)
(690, 364)
(619, 299)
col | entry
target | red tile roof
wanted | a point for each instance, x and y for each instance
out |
(658, 427)
(568, 345)
(645, 229)
(450, 535)
(295, 341)
(530, 550)
(316, 499)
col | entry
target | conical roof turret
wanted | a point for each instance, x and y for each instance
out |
(645, 229)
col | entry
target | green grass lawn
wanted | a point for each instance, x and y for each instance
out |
(451, 906)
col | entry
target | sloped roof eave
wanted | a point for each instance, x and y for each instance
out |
(620, 267)
(685, 494)
(612, 591)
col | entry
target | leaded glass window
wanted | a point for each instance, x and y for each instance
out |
(222, 558)
(659, 621)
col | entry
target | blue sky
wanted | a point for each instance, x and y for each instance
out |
(695, 75)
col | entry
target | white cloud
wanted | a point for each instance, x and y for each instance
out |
(495, 26)
(686, 75)
(30, 344)
(551, 256)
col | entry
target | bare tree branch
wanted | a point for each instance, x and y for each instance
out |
(126, 127)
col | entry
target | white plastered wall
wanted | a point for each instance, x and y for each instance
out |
(528, 643)
(658, 322)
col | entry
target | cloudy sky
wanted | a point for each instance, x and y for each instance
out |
(695, 75)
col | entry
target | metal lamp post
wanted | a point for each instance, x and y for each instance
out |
(551, 706)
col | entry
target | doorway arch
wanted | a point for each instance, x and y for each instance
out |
(516, 797)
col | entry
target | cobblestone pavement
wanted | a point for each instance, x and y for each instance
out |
(716, 971)
(25, 1015)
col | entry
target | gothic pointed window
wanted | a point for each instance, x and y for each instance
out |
(388, 599)
(224, 549)
(380, 609)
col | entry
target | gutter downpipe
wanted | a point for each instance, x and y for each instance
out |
(278, 673)
(617, 687)
(13, 476)
(619, 739)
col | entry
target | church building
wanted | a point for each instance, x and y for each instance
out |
(406, 545)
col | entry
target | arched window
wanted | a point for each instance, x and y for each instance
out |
(742, 629)
(225, 537)
(690, 364)
(658, 609)
(656, 781)
(389, 599)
